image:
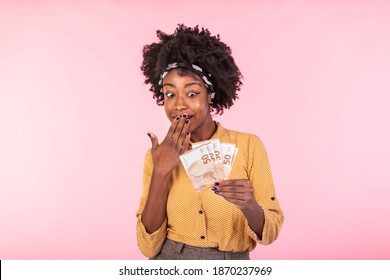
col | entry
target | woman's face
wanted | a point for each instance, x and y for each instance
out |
(185, 93)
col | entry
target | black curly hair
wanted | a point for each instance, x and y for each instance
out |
(193, 46)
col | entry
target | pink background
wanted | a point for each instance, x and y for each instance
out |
(74, 113)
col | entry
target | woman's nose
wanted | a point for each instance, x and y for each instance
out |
(180, 103)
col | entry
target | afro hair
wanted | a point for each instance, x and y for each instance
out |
(193, 46)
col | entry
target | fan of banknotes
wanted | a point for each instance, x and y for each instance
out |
(208, 162)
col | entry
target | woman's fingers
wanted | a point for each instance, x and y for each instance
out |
(181, 131)
(185, 142)
(180, 136)
(236, 191)
(178, 130)
(172, 128)
(235, 182)
(184, 136)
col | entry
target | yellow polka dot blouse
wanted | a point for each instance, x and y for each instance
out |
(205, 219)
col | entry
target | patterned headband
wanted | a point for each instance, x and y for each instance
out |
(196, 69)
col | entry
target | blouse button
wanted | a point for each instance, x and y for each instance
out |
(202, 237)
(200, 212)
(273, 198)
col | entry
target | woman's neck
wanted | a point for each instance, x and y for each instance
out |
(205, 133)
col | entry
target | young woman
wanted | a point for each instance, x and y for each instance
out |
(192, 74)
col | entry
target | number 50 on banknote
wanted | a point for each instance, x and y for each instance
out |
(208, 162)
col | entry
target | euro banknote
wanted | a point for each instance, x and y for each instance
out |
(208, 162)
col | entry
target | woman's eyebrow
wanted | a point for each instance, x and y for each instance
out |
(192, 84)
(169, 85)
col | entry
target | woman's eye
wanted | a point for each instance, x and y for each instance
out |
(169, 94)
(192, 94)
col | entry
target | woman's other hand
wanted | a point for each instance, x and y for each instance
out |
(237, 191)
(240, 193)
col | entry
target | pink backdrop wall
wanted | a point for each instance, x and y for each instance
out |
(74, 113)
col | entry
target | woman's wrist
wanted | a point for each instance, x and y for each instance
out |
(160, 182)
(161, 173)
(252, 207)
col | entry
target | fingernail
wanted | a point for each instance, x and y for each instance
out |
(216, 184)
(178, 117)
(217, 192)
(213, 188)
(184, 115)
(187, 120)
(148, 134)
(188, 133)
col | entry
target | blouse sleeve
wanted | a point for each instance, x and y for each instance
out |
(261, 178)
(149, 243)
